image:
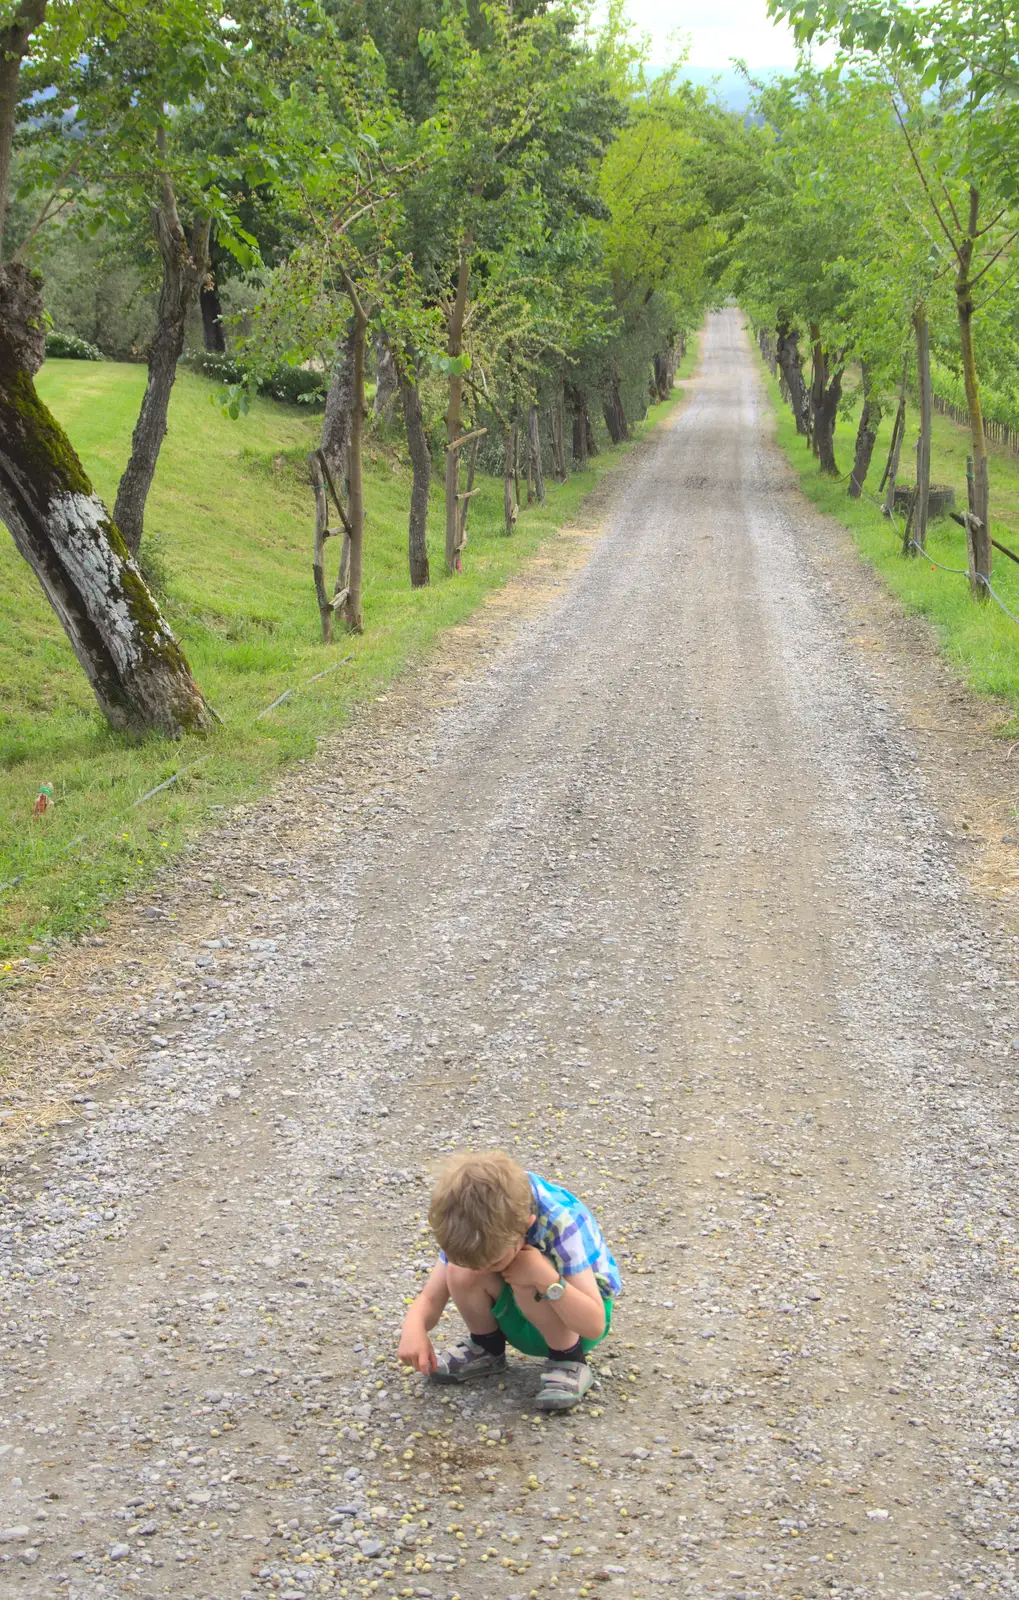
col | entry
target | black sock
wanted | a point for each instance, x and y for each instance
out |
(574, 1353)
(494, 1344)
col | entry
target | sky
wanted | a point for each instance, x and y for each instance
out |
(718, 30)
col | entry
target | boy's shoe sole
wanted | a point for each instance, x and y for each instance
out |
(465, 1362)
(563, 1385)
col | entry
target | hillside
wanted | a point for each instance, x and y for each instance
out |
(230, 528)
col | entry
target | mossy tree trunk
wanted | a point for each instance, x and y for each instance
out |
(185, 264)
(136, 668)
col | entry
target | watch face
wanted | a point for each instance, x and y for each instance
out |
(555, 1292)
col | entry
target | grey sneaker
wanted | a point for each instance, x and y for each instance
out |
(464, 1361)
(563, 1385)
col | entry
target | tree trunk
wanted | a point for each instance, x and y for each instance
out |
(665, 368)
(895, 447)
(557, 440)
(578, 405)
(318, 565)
(136, 668)
(14, 44)
(421, 462)
(516, 462)
(534, 445)
(339, 409)
(185, 264)
(824, 425)
(825, 393)
(454, 408)
(615, 416)
(509, 449)
(978, 523)
(589, 436)
(923, 443)
(464, 500)
(387, 383)
(791, 367)
(350, 606)
(866, 435)
(213, 332)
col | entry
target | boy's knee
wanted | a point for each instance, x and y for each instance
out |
(526, 1302)
(460, 1277)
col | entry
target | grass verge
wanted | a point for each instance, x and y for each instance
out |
(229, 545)
(980, 641)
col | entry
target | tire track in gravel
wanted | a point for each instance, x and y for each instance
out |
(670, 909)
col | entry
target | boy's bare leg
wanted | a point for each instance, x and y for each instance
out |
(474, 1294)
(484, 1351)
(541, 1315)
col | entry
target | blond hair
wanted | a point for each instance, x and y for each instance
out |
(481, 1207)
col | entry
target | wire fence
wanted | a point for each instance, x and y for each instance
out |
(96, 835)
(921, 550)
(1000, 432)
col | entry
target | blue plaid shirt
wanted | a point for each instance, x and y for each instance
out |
(564, 1230)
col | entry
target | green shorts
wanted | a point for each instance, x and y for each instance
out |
(524, 1336)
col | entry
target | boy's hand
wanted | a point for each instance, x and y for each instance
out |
(530, 1270)
(416, 1349)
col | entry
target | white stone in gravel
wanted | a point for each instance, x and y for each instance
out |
(119, 1552)
(13, 1534)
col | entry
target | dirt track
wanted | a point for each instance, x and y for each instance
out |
(668, 902)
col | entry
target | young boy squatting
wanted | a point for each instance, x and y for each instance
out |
(525, 1264)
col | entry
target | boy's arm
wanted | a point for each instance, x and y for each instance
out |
(423, 1313)
(581, 1308)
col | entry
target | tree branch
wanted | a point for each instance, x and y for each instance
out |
(921, 175)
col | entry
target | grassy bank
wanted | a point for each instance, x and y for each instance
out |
(978, 639)
(229, 526)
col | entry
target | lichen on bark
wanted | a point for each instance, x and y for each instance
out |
(136, 668)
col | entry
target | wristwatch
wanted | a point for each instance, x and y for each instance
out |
(554, 1292)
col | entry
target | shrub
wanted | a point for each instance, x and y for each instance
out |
(212, 364)
(68, 347)
(296, 386)
(292, 385)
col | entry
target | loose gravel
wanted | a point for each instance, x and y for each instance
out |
(667, 905)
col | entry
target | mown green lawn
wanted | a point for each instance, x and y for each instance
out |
(979, 639)
(229, 530)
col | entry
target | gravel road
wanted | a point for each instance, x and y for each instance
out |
(667, 904)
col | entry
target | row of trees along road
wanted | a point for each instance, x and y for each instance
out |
(873, 216)
(488, 194)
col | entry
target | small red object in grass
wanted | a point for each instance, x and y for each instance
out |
(43, 799)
